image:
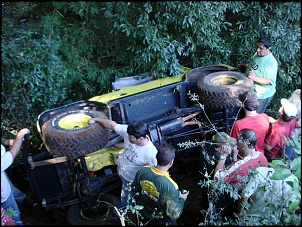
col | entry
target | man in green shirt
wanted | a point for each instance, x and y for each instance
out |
(159, 195)
(262, 69)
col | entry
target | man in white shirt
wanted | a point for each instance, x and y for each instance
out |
(138, 151)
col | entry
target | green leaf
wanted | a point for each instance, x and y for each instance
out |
(281, 174)
(293, 205)
(296, 163)
(276, 162)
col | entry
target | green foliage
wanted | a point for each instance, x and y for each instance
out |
(281, 215)
(33, 77)
(295, 165)
(55, 53)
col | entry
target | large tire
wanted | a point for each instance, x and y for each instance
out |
(69, 134)
(220, 90)
(194, 74)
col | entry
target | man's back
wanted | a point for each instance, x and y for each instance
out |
(159, 194)
(275, 136)
(259, 123)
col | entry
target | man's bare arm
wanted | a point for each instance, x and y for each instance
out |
(109, 124)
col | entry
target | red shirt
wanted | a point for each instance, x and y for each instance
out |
(274, 137)
(259, 123)
(238, 169)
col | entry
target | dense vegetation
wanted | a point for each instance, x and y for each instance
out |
(55, 53)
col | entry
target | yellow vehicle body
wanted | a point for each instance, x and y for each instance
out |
(104, 157)
(131, 90)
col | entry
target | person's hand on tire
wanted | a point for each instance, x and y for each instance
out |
(242, 67)
(90, 121)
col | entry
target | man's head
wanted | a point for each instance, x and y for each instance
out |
(249, 100)
(165, 154)
(246, 138)
(137, 129)
(221, 138)
(263, 46)
(137, 133)
(265, 41)
(288, 110)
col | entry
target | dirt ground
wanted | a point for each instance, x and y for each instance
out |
(36, 215)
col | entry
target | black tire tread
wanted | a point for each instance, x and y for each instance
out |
(222, 96)
(76, 142)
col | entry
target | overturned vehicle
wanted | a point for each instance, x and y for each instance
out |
(77, 169)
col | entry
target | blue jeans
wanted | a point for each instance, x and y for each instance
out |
(262, 104)
(19, 196)
(126, 194)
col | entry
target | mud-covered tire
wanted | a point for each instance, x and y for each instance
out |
(69, 134)
(220, 90)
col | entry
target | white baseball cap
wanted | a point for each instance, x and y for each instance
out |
(289, 108)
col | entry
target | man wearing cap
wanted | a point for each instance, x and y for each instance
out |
(263, 70)
(220, 139)
(233, 174)
(258, 122)
(214, 154)
(7, 158)
(251, 159)
(283, 126)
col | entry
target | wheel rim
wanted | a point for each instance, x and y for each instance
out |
(74, 121)
(95, 212)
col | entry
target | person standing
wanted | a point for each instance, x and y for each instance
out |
(282, 127)
(251, 159)
(157, 192)
(253, 120)
(212, 153)
(138, 151)
(7, 197)
(211, 157)
(263, 70)
(235, 172)
(20, 197)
